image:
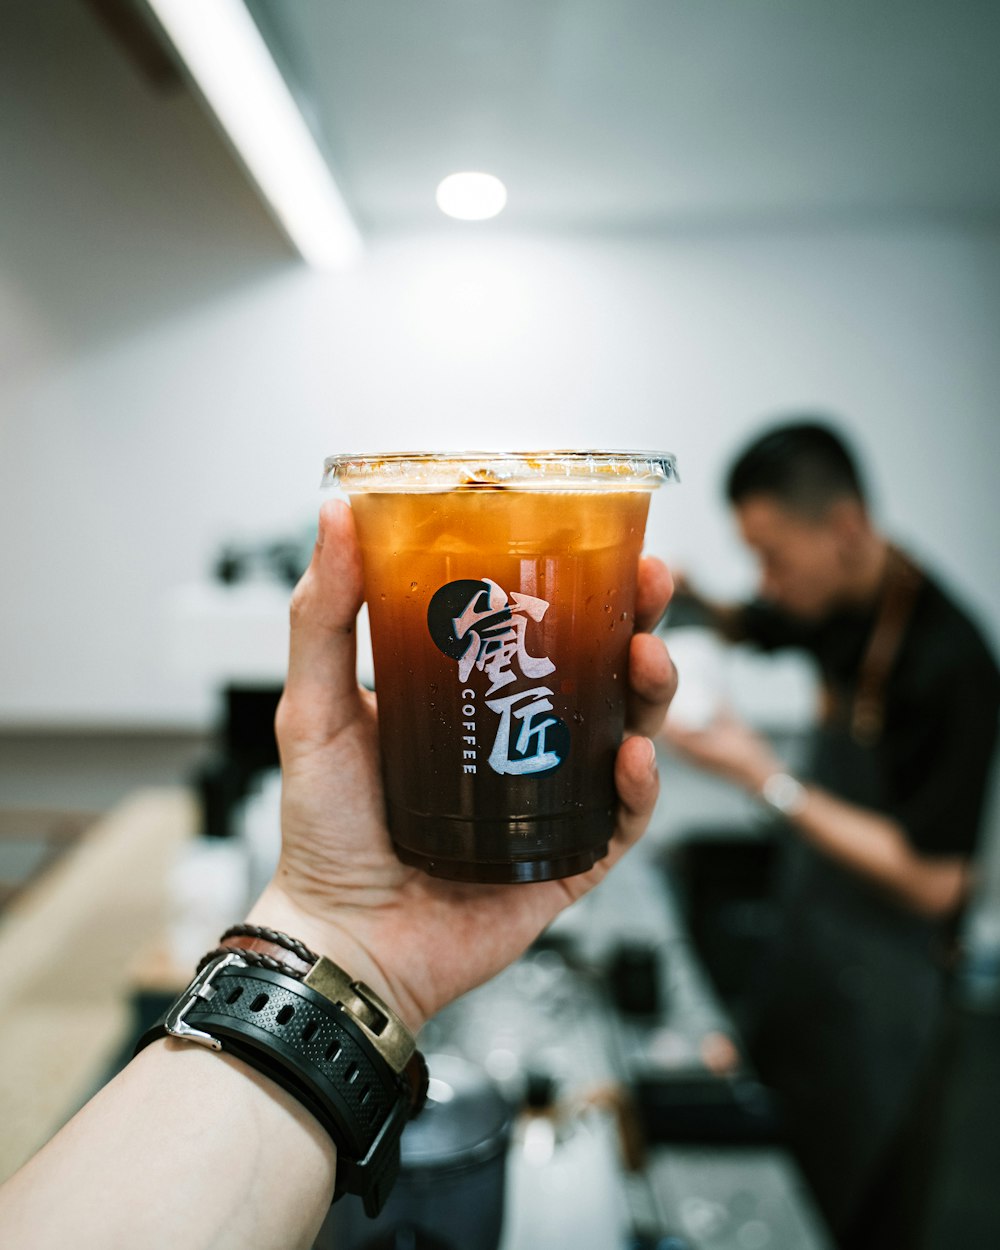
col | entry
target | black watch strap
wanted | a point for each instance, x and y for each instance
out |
(313, 1048)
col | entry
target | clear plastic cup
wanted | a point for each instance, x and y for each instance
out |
(501, 593)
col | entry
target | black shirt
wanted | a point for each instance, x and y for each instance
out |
(942, 700)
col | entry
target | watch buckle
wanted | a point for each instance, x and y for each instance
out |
(200, 987)
(380, 1024)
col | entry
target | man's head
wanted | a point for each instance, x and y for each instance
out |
(801, 507)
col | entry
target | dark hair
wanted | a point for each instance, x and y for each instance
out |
(804, 465)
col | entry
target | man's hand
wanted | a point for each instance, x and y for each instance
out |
(418, 941)
(727, 747)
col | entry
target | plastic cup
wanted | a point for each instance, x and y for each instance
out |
(501, 594)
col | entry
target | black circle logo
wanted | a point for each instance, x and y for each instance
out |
(449, 603)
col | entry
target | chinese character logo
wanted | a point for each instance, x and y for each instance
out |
(486, 630)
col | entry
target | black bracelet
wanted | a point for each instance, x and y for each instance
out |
(272, 935)
(313, 1048)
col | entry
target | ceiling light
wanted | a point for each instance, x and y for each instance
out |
(234, 71)
(471, 196)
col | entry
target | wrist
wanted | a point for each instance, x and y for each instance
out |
(276, 909)
(757, 774)
(325, 1038)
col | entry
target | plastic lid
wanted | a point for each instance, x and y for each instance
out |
(489, 470)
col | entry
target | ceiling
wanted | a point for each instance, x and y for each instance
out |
(650, 114)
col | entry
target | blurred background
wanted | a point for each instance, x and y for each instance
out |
(717, 212)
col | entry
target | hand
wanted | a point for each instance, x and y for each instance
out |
(416, 940)
(727, 747)
(682, 583)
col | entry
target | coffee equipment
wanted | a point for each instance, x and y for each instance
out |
(450, 1192)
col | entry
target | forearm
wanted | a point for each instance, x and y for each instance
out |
(726, 619)
(184, 1147)
(864, 841)
(875, 847)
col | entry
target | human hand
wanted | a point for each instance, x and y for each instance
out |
(418, 941)
(726, 747)
(682, 583)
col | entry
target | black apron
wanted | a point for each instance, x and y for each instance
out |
(848, 1007)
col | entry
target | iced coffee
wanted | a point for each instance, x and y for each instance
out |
(501, 593)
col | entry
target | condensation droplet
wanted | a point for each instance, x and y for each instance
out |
(413, 585)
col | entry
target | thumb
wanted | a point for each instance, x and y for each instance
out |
(321, 686)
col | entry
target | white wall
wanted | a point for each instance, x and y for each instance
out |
(124, 464)
(170, 377)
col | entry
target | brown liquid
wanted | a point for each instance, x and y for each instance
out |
(560, 668)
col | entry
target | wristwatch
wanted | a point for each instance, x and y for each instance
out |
(331, 1042)
(784, 794)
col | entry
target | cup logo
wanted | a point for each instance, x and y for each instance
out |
(486, 630)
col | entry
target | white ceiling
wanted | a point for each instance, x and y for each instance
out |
(652, 113)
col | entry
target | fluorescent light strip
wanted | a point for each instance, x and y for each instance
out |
(232, 67)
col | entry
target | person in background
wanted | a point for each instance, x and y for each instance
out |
(847, 1016)
(201, 1150)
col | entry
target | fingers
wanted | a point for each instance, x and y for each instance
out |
(653, 591)
(652, 676)
(638, 784)
(321, 689)
(652, 684)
